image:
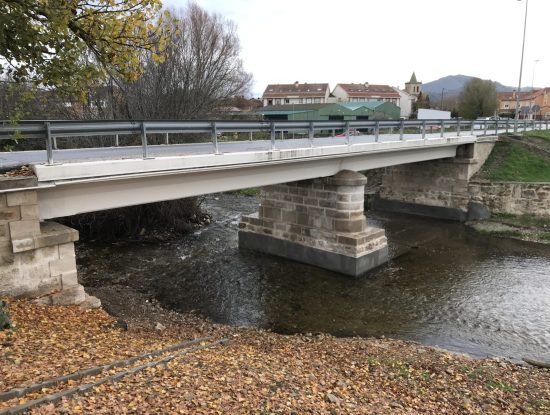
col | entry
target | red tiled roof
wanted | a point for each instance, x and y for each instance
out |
(369, 90)
(296, 90)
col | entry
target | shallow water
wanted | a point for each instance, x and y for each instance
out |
(448, 286)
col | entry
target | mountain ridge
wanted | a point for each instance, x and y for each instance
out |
(453, 85)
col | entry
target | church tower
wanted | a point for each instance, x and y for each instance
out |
(413, 87)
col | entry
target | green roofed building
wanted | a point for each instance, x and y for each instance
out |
(341, 111)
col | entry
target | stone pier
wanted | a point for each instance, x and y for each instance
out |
(37, 259)
(318, 222)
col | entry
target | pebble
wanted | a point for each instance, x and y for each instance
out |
(333, 399)
(160, 327)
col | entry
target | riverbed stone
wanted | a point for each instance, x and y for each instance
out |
(326, 227)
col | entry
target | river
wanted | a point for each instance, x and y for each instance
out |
(446, 286)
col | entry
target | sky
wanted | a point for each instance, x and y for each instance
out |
(384, 41)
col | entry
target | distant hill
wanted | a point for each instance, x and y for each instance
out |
(454, 84)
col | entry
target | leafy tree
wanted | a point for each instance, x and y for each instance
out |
(478, 99)
(423, 101)
(202, 69)
(58, 43)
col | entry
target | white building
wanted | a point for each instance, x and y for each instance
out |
(296, 93)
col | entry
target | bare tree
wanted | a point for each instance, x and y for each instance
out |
(201, 70)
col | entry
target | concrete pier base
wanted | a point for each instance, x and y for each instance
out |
(37, 259)
(319, 222)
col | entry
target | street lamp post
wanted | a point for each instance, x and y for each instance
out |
(532, 116)
(521, 68)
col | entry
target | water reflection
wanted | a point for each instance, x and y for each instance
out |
(448, 286)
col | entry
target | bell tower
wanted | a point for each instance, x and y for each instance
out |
(413, 87)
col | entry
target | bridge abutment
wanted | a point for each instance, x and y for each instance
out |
(37, 259)
(437, 188)
(319, 222)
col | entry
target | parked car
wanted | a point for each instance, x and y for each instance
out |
(352, 131)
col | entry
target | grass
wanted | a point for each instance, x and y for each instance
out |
(250, 191)
(527, 220)
(545, 134)
(503, 386)
(511, 161)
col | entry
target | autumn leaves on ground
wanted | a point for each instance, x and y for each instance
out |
(255, 372)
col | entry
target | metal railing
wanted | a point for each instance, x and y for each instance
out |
(50, 130)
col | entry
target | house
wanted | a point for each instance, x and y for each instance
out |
(534, 104)
(406, 102)
(296, 93)
(365, 92)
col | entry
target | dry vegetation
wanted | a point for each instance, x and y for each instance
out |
(257, 372)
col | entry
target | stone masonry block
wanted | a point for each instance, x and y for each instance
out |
(3, 200)
(29, 212)
(349, 206)
(47, 285)
(6, 253)
(73, 295)
(4, 230)
(66, 250)
(21, 245)
(27, 197)
(24, 228)
(69, 279)
(357, 225)
(10, 213)
(270, 212)
(63, 266)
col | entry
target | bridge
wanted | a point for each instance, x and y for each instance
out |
(311, 208)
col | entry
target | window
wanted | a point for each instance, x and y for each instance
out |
(301, 101)
(269, 102)
(277, 102)
(287, 101)
(317, 100)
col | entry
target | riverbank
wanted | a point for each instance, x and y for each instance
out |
(513, 185)
(256, 372)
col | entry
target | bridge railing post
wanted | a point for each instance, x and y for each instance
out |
(472, 127)
(485, 127)
(250, 136)
(214, 137)
(402, 130)
(442, 129)
(458, 128)
(347, 133)
(116, 140)
(507, 125)
(49, 144)
(272, 126)
(524, 126)
(144, 140)
(423, 129)
(377, 131)
(496, 127)
(166, 139)
(311, 134)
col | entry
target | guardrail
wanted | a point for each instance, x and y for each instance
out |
(50, 130)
